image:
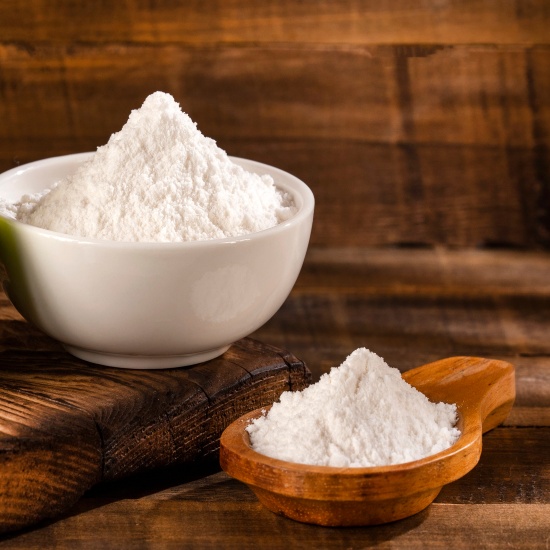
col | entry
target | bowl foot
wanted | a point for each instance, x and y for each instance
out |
(122, 361)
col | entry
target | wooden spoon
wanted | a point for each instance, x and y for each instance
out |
(484, 392)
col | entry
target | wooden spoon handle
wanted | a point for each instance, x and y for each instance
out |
(481, 388)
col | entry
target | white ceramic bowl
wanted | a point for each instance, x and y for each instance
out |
(148, 305)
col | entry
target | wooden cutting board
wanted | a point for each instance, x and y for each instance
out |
(66, 425)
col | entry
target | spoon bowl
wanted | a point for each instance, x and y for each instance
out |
(484, 392)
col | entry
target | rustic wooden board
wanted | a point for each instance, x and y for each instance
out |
(66, 425)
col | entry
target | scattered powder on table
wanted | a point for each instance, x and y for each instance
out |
(360, 414)
(158, 180)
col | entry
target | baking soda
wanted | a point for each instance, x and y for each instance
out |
(159, 180)
(360, 414)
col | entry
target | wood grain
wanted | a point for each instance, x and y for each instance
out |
(451, 96)
(420, 305)
(311, 21)
(213, 523)
(66, 425)
(513, 468)
(369, 195)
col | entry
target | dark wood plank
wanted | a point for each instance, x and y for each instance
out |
(417, 306)
(45, 465)
(468, 21)
(528, 416)
(66, 425)
(230, 519)
(514, 467)
(326, 329)
(422, 272)
(368, 195)
(458, 95)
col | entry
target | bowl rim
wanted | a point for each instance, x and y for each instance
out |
(293, 185)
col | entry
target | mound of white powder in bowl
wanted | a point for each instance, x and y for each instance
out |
(158, 180)
(360, 414)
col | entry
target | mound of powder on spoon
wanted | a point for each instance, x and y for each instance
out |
(360, 414)
(159, 179)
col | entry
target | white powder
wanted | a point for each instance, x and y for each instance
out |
(158, 179)
(360, 414)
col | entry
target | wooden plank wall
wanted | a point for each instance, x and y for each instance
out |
(415, 122)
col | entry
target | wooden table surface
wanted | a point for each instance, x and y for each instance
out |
(411, 306)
